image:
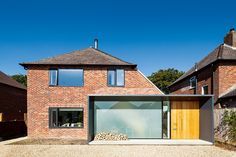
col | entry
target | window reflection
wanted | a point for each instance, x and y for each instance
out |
(116, 77)
(136, 119)
(66, 77)
(66, 117)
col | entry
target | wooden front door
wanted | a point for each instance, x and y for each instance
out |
(184, 120)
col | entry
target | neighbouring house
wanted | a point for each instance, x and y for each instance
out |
(13, 108)
(215, 74)
(13, 103)
(86, 92)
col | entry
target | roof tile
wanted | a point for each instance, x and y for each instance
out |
(222, 52)
(4, 79)
(89, 56)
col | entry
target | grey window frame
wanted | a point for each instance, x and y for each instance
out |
(50, 70)
(115, 70)
(57, 111)
(57, 77)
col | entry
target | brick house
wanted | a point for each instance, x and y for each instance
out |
(85, 92)
(215, 74)
(12, 99)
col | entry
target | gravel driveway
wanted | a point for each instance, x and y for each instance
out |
(112, 151)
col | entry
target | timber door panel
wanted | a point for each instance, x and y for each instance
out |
(184, 120)
(1, 117)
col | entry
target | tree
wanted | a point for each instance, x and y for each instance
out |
(165, 77)
(20, 78)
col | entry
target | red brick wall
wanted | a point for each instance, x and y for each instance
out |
(203, 78)
(227, 76)
(41, 97)
(12, 103)
(181, 88)
(224, 78)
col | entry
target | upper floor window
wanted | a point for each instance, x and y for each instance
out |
(116, 77)
(66, 77)
(193, 82)
(204, 90)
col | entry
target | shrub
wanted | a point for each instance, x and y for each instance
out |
(229, 120)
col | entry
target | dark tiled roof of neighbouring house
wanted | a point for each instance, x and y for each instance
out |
(89, 56)
(4, 79)
(229, 93)
(222, 52)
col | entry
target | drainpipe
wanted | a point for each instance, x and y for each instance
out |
(212, 78)
(195, 92)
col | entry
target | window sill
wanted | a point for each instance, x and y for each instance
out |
(115, 85)
(66, 127)
(64, 86)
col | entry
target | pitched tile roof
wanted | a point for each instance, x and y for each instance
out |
(222, 52)
(89, 56)
(4, 79)
(231, 92)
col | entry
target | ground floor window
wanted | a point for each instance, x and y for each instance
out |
(66, 117)
(136, 119)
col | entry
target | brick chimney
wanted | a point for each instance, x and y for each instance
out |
(230, 38)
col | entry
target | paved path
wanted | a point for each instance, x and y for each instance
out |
(112, 151)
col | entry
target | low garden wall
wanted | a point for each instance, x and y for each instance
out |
(12, 129)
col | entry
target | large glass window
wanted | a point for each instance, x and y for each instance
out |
(136, 119)
(116, 77)
(66, 117)
(66, 77)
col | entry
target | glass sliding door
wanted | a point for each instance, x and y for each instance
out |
(136, 119)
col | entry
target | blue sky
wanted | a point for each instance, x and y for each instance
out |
(153, 34)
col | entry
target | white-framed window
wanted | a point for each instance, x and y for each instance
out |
(193, 82)
(205, 90)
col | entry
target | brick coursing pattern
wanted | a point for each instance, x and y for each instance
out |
(203, 78)
(227, 76)
(41, 96)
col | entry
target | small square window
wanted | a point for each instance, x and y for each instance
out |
(204, 90)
